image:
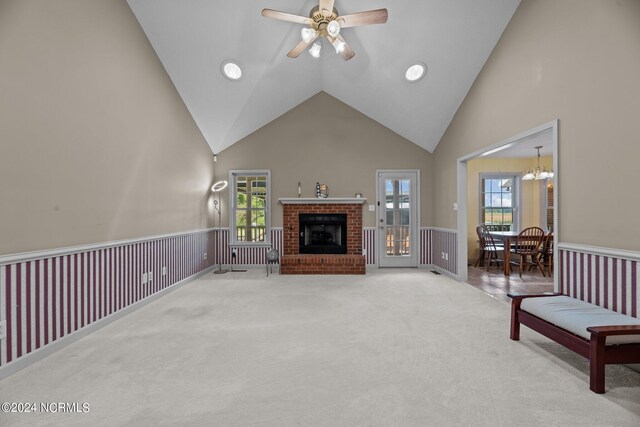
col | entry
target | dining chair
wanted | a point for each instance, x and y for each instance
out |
(545, 255)
(490, 249)
(480, 258)
(528, 244)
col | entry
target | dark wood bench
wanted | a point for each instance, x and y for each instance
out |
(581, 327)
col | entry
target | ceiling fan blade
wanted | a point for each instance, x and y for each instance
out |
(326, 7)
(378, 16)
(347, 53)
(296, 51)
(283, 16)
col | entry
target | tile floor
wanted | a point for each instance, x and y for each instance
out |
(496, 284)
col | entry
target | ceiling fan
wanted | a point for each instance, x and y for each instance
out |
(324, 21)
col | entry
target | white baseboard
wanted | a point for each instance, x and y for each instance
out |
(439, 270)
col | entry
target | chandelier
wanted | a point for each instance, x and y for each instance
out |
(537, 174)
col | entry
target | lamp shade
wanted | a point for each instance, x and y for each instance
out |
(307, 34)
(315, 50)
(333, 28)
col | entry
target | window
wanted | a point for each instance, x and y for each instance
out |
(498, 201)
(250, 207)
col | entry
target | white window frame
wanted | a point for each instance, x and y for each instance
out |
(233, 174)
(516, 199)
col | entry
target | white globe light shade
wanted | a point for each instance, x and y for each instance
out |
(333, 28)
(307, 34)
(315, 50)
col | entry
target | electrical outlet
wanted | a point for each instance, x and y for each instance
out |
(364, 251)
(144, 278)
(442, 255)
(205, 255)
(164, 271)
(446, 256)
(3, 329)
(372, 208)
(150, 275)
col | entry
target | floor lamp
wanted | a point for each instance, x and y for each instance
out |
(217, 188)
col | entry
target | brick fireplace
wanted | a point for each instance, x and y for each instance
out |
(313, 211)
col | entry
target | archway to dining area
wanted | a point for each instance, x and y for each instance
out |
(507, 218)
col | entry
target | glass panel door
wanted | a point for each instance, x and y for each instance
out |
(397, 207)
(397, 219)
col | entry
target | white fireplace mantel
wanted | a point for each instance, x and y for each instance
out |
(319, 201)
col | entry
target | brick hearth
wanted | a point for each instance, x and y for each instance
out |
(292, 262)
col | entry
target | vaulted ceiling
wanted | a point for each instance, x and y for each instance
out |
(193, 38)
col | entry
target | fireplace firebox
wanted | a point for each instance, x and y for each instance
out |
(323, 233)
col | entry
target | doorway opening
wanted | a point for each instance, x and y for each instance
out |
(491, 191)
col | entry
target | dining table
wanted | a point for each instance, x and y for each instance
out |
(506, 237)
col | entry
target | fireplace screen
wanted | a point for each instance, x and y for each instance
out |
(323, 233)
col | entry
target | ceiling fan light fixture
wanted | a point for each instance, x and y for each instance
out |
(308, 34)
(333, 28)
(231, 70)
(325, 21)
(315, 50)
(415, 72)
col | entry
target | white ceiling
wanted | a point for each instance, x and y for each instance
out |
(192, 38)
(525, 147)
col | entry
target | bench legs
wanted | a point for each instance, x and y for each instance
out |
(596, 364)
(514, 333)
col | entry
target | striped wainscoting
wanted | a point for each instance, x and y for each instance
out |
(46, 296)
(426, 257)
(246, 256)
(605, 277)
(443, 241)
(369, 245)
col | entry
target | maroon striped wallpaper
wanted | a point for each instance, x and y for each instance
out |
(426, 235)
(369, 245)
(443, 241)
(45, 299)
(604, 280)
(430, 241)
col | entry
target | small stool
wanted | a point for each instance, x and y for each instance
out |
(273, 257)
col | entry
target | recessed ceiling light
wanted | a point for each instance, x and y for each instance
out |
(231, 70)
(415, 72)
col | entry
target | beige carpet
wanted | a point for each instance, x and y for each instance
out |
(394, 347)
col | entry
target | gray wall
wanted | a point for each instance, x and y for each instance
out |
(577, 61)
(95, 142)
(324, 140)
